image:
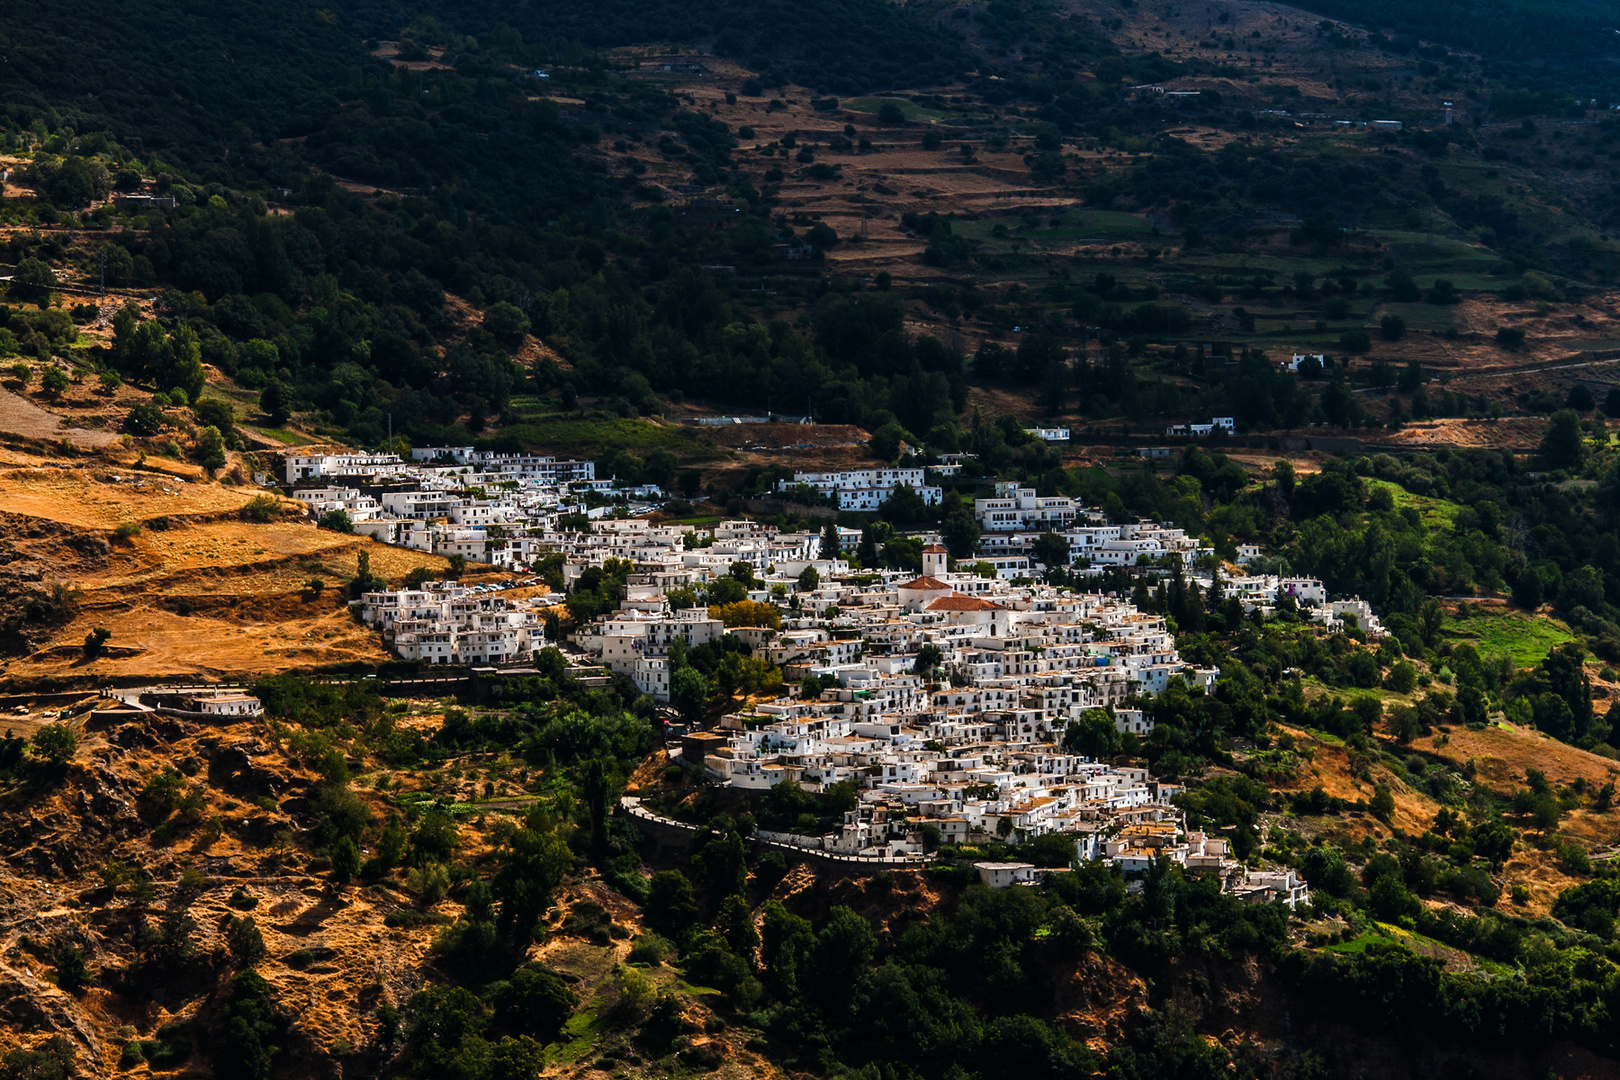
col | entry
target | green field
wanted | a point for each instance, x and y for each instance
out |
(1433, 513)
(281, 435)
(914, 112)
(1524, 638)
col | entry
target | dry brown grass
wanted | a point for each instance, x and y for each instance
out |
(210, 594)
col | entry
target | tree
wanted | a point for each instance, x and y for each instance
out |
(72, 973)
(1283, 473)
(1510, 338)
(506, 323)
(958, 527)
(671, 909)
(109, 381)
(345, 861)
(929, 657)
(275, 401)
(33, 279)
(1091, 735)
(53, 380)
(1563, 445)
(1581, 398)
(211, 450)
(809, 579)
(364, 580)
(243, 938)
(689, 695)
(1392, 327)
(821, 236)
(831, 545)
(904, 506)
(885, 442)
(1339, 405)
(336, 521)
(839, 960)
(1051, 550)
(95, 641)
(534, 1001)
(1611, 403)
(56, 743)
(145, 419)
(215, 412)
(22, 372)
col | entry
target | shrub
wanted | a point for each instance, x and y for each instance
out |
(95, 641)
(245, 941)
(215, 412)
(430, 883)
(211, 450)
(261, 509)
(127, 530)
(53, 1059)
(1510, 337)
(56, 743)
(534, 1001)
(72, 973)
(649, 948)
(145, 419)
(54, 380)
(337, 521)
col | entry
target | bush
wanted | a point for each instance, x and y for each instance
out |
(145, 419)
(72, 973)
(1510, 337)
(336, 521)
(649, 948)
(261, 509)
(214, 412)
(54, 381)
(211, 450)
(245, 941)
(53, 1059)
(56, 743)
(95, 641)
(534, 1001)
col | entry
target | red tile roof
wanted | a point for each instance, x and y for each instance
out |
(963, 603)
(929, 584)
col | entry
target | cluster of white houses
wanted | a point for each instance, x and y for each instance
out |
(454, 500)
(943, 696)
(864, 489)
(1219, 423)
